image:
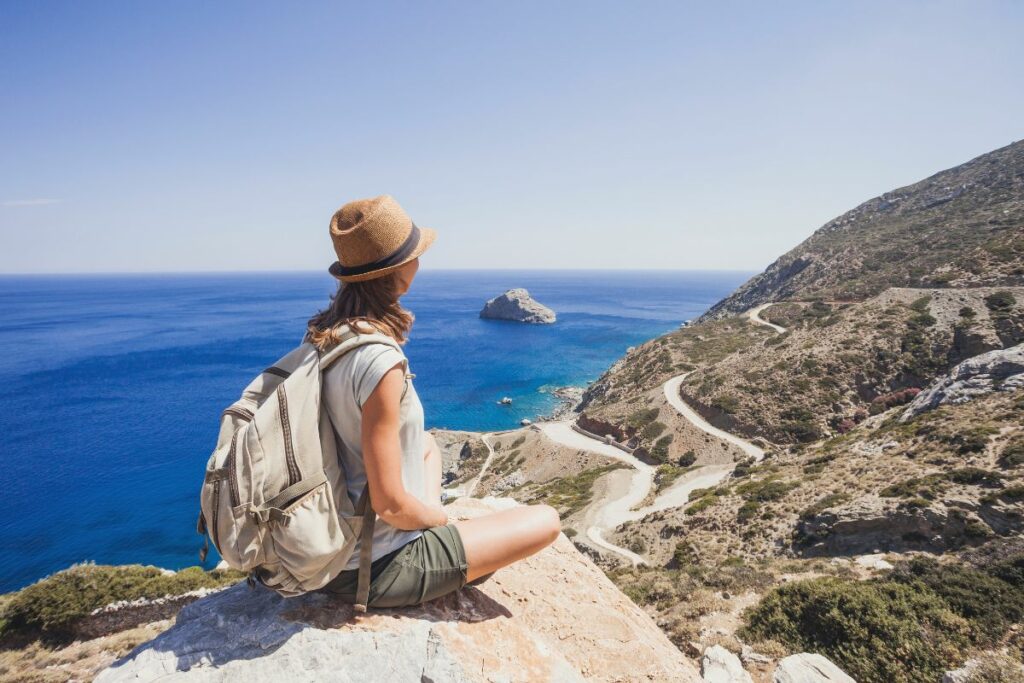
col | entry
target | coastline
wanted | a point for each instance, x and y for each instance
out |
(569, 396)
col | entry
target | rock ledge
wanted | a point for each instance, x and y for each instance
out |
(552, 617)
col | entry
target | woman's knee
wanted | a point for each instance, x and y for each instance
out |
(548, 522)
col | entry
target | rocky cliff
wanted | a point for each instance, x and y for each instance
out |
(552, 617)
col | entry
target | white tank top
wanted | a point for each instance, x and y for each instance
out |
(346, 386)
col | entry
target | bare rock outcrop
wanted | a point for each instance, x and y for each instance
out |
(999, 370)
(809, 667)
(552, 617)
(517, 304)
(718, 665)
(871, 523)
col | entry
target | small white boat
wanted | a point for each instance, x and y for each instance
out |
(505, 401)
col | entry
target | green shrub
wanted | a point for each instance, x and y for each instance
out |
(972, 440)
(816, 465)
(816, 508)
(990, 603)
(928, 487)
(687, 458)
(747, 511)
(727, 403)
(921, 305)
(975, 476)
(652, 429)
(51, 608)
(765, 490)
(665, 475)
(877, 631)
(1001, 302)
(1015, 492)
(684, 554)
(660, 450)
(639, 418)
(743, 468)
(1013, 452)
(704, 498)
(570, 494)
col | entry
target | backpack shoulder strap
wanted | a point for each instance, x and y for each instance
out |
(351, 339)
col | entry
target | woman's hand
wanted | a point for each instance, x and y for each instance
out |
(442, 515)
(382, 456)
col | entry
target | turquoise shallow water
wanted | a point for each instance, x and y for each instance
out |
(111, 386)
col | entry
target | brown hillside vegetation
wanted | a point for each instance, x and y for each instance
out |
(839, 363)
(963, 227)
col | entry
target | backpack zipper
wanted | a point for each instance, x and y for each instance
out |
(232, 470)
(294, 475)
(216, 513)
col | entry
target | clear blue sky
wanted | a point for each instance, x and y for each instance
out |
(145, 136)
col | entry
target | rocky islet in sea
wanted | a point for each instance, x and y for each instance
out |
(517, 305)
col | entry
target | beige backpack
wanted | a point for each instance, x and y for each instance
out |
(275, 499)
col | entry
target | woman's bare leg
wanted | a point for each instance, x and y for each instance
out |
(499, 539)
(432, 468)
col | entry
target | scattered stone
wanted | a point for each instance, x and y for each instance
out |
(875, 561)
(509, 481)
(961, 675)
(718, 665)
(749, 656)
(517, 305)
(809, 667)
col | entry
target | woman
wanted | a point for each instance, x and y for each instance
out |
(418, 555)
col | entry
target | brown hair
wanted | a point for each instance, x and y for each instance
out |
(367, 302)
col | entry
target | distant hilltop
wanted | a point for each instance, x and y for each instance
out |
(961, 227)
(517, 304)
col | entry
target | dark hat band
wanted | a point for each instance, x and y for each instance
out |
(394, 258)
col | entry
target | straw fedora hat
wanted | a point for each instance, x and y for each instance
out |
(373, 237)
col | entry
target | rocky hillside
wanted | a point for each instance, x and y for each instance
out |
(838, 364)
(910, 523)
(880, 366)
(963, 227)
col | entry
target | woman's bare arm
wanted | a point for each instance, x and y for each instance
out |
(382, 456)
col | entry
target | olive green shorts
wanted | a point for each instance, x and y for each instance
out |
(430, 566)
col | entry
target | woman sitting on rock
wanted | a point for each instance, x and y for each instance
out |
(417, 554)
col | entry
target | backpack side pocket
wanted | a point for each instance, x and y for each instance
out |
(308, 535)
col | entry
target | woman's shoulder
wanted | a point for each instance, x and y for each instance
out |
(370, 363)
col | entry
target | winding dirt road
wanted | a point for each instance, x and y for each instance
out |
(487, 462)
(671, 388)
(618, 509)
(755, 316)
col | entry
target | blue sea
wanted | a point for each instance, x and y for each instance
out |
(111, 387)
